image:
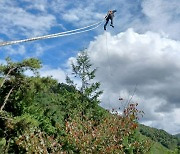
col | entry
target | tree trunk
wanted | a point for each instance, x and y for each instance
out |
(7, 76)
(6, 99)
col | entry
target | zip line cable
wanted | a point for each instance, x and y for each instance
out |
(109, 70)
(61, 34)
(107, 50)
(109, 67)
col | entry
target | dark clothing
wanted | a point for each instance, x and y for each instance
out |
(110, 16)
(107, 20)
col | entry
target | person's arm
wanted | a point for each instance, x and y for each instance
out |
(114, 11)
(106, 15)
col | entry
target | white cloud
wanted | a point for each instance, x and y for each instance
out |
(18, 50)
(150, 61)
(60, 6)
(80, 13)
(15, 20)
(169, 122)
(160, 16)
(163, 16)
(40, 5)
(39, 50)
(71, 17)
(57, 74)
(82, 16)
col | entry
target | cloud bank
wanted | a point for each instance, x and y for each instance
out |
(150, 62)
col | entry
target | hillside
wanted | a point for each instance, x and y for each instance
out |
(40, 115)
(178, 135)
(167, 140)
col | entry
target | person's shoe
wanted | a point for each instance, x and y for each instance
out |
(112, 25)
(104, 28)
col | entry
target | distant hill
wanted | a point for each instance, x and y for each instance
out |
(178, 135)
(167, 140)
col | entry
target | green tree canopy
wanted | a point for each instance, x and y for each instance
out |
(82, 69)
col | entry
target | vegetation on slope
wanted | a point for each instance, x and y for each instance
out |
(169, 141)
(178, 135)
(40, 115)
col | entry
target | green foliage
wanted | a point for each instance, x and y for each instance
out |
(2, 144)
(83, 70)
(178, 135)
(44, 116)
(14, 82)
(17, 68)
(35, 141)
(114, 134)
(157, 148)
(167, 140)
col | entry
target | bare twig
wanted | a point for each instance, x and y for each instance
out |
(6, 99)
(130, 98)
(7, 76)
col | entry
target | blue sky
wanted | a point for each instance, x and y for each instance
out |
(25, 19)
(143, 49)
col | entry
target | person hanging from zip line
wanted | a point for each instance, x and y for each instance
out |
(110, 15)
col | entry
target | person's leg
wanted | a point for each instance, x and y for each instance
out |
(112, 22)
(107, 20)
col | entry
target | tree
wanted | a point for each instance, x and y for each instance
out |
(83, 70)
(13, 77)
